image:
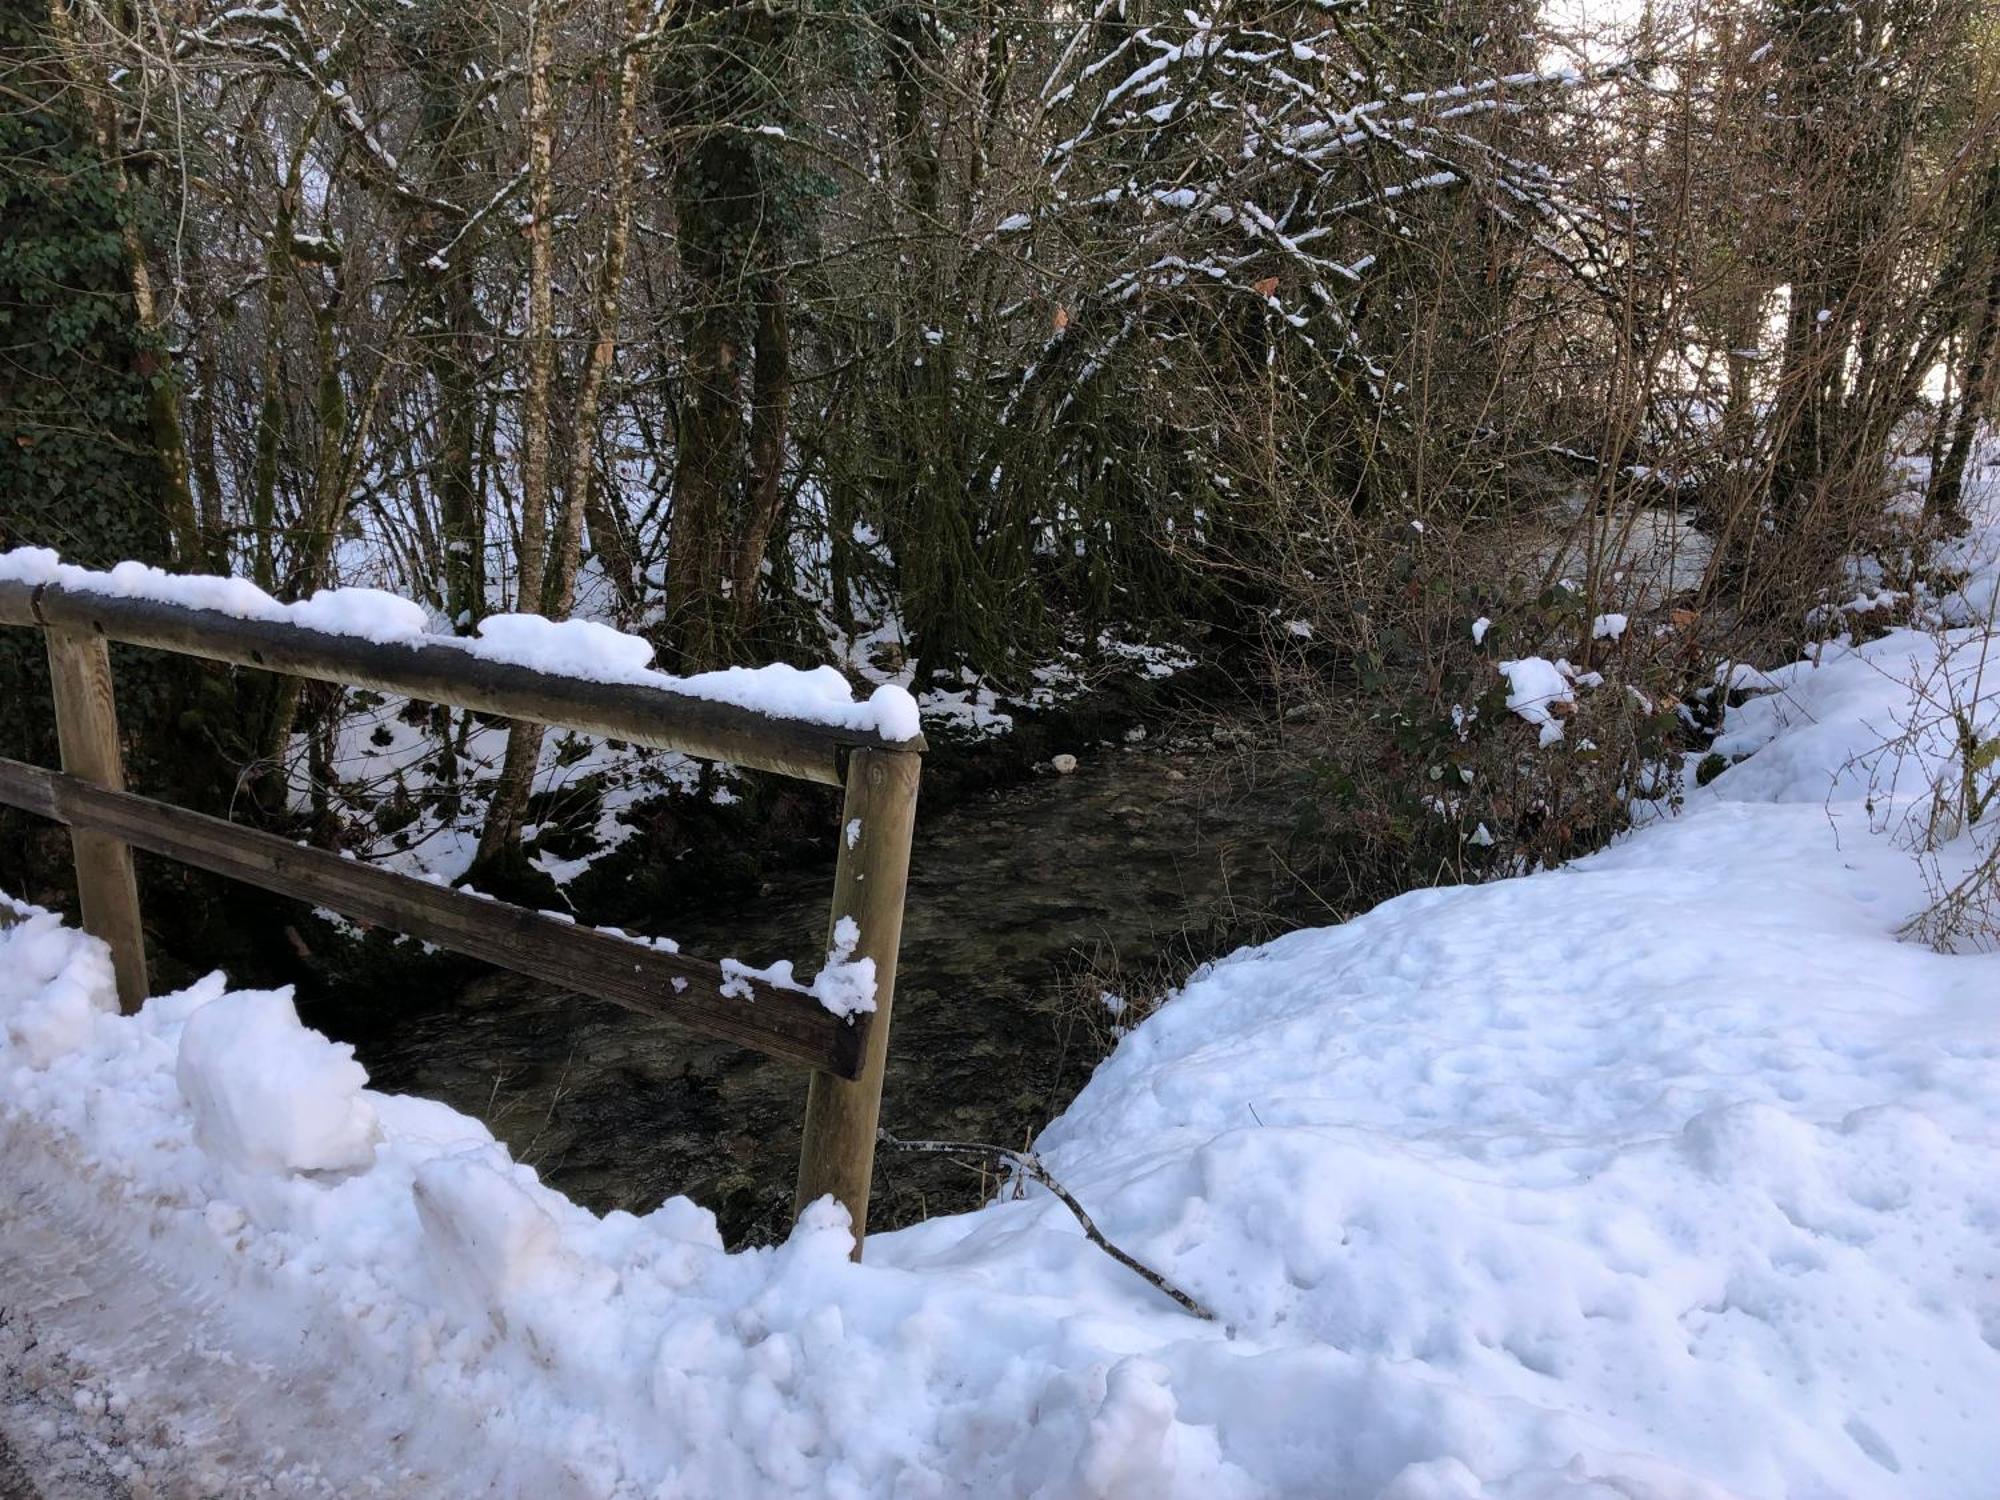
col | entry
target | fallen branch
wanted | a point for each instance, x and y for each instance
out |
(1030, 1165)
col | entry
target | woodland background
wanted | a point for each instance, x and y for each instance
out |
(952, 340)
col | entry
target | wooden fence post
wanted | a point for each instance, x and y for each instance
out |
(87, 731)
(838, 1153)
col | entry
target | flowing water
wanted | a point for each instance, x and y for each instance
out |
(1018, 899)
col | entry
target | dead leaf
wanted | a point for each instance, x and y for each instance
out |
(1061, 319)
(1266, 287)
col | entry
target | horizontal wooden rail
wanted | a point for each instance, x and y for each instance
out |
(669, 986)
(439, 672)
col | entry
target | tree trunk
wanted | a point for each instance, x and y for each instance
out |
(214, 539)
(609, 300)
(717, 194)
(461, 515)
(1947, 494)
(271, 404)
(733, 66)
(771, 400)
(1982, 343)
(524, 740)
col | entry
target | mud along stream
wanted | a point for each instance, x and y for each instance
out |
(1016, 898)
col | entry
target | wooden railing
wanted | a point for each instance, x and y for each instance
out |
(106, 822)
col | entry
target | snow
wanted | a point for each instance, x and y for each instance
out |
(488, 1238)
(567, 648)
(1663, 1175)
(1535, 685)
(268, 1095)
(844, 985)
(369, 614)
(582, 649)
(1653, 552)
(62, 982)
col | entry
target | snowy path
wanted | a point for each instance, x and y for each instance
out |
(127, 1330)
(49, 1450)
(14, 1481)
(130, 1367)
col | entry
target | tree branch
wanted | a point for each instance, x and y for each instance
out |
(1030, 1165)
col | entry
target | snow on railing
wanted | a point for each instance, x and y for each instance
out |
(583, 650)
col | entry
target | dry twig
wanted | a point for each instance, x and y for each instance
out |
(1030, 1165)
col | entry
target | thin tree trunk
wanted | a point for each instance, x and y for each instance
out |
(439, 257)
(610, 293)
(770, 409)
(201, 417)
(541, 312)
(1982, 344)
(524, 740)
(461, 515)
(341, 449)
(1948, 489)
(612, 546)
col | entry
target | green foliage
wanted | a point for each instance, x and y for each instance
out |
(77, 468)
(1430, 777)
(76, 463)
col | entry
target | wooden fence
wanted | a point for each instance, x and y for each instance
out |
(106, 822)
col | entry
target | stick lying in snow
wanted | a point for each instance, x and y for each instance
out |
(1030, 1165)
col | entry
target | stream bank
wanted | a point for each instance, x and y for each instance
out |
(1020, 896)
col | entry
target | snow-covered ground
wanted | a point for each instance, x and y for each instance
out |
(1665, 1175)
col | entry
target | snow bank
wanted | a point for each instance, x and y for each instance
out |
(496, 1338)
(268, 1095)
(1665, 1175)
(61, 981)
(581, 649)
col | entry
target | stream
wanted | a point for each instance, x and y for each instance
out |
(1022, 904)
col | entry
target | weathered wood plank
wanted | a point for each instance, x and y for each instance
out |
(667, 986)
(87, 731)
(441, 673)
(842, 1114)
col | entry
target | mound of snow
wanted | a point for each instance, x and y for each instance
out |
(56, 982)
(490, 1238)
(269, 1095)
